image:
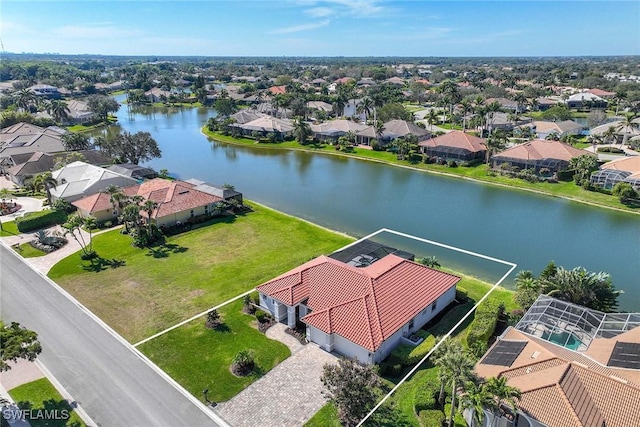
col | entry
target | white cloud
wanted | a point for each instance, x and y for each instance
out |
(319, 12)
(301, 27)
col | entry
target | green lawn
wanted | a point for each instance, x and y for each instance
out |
(9, 229)
(199, 358)
(157, 288)
(27, 251)
(567, 190)
(41, 395)
(327, 416)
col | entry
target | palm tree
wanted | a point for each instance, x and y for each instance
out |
(24, 99)
(366, 106)
(495, 142)
(457, 369)
(527, 289)
(582, 287)
(432, 119)
(609, 134)
(58, 110)
(465, 108)
(73, 226)
(117, 198)
(448, 346)
(402, 146)
(130, 215)
(45, 181)
(501, 393)
(149, 206)
(477, 399)
(90, 223)
(301, 130)
(627, 127)
(619, 97)
(490, 112)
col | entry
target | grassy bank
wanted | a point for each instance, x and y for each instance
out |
(566, 190)
(193, 271)
(199, 358)
(9, 229)
(41, 395)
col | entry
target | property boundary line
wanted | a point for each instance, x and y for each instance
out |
(448, 334)
(207, 411)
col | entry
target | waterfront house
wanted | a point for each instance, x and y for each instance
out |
(625, 169)
(359, 312)
(574, 366)
(538, 154)
(455, 145)
(79, 179)
(586, 100)
(178, 201)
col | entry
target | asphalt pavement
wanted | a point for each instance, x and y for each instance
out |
(111, 380)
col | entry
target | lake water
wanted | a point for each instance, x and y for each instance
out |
(359, 197)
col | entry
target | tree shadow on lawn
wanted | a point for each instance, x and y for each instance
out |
(165, 249)
(99, 264)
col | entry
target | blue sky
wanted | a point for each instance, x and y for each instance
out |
(322, 28)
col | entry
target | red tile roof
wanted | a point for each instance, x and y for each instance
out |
(457, 139)
(539, 149)
(275, 90)
(364, 305)
(601, 93)
(172, 197)
(565, 388)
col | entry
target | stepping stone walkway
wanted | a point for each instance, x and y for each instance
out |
(288, 395)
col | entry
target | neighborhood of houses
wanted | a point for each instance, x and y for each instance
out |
(574, 366)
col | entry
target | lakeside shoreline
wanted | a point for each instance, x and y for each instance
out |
(212, 136)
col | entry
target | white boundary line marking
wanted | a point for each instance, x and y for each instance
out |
(448, 334)
(207, 411)
(193, 318)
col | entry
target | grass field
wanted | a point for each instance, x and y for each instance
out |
(199, 358)
(9, 229)
(25, 250)
(41, 395)
(193, 271)
(567, 190)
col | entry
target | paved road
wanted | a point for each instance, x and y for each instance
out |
(112, 383)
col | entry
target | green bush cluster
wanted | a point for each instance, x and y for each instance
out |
(421, 349)
(483, 324)
(431, 417)
(614, 150)
(425, 397)
(261, 316)
(42, 219)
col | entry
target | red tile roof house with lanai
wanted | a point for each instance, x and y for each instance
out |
(455, 145)
(177, 201)
(362, 313)
(539, 154)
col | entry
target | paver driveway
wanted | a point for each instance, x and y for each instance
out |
(288, 396)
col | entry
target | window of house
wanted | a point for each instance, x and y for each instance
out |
(192, 214)
(434, 305)
(411, 324)
(206, 209)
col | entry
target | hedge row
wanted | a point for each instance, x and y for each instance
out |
(42, 219)
(483, 324)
